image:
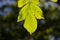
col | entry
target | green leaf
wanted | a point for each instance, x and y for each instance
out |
(22, 13)
(35, 2)
(29, 13)
(30, 23)
(36, 11)
(22, 3)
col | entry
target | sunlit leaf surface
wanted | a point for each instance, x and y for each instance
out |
(36, 11)
(35, 1)
(30, 12)
(30, 23)
(22, 13)
(22, 3)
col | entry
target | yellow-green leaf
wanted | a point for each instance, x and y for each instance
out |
(36, 11)
(54, 0)
(30, 23)
(35, 1)
(22, 13)
(22, 2)
(29, 13)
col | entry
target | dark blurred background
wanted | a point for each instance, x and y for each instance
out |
(48, 29)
